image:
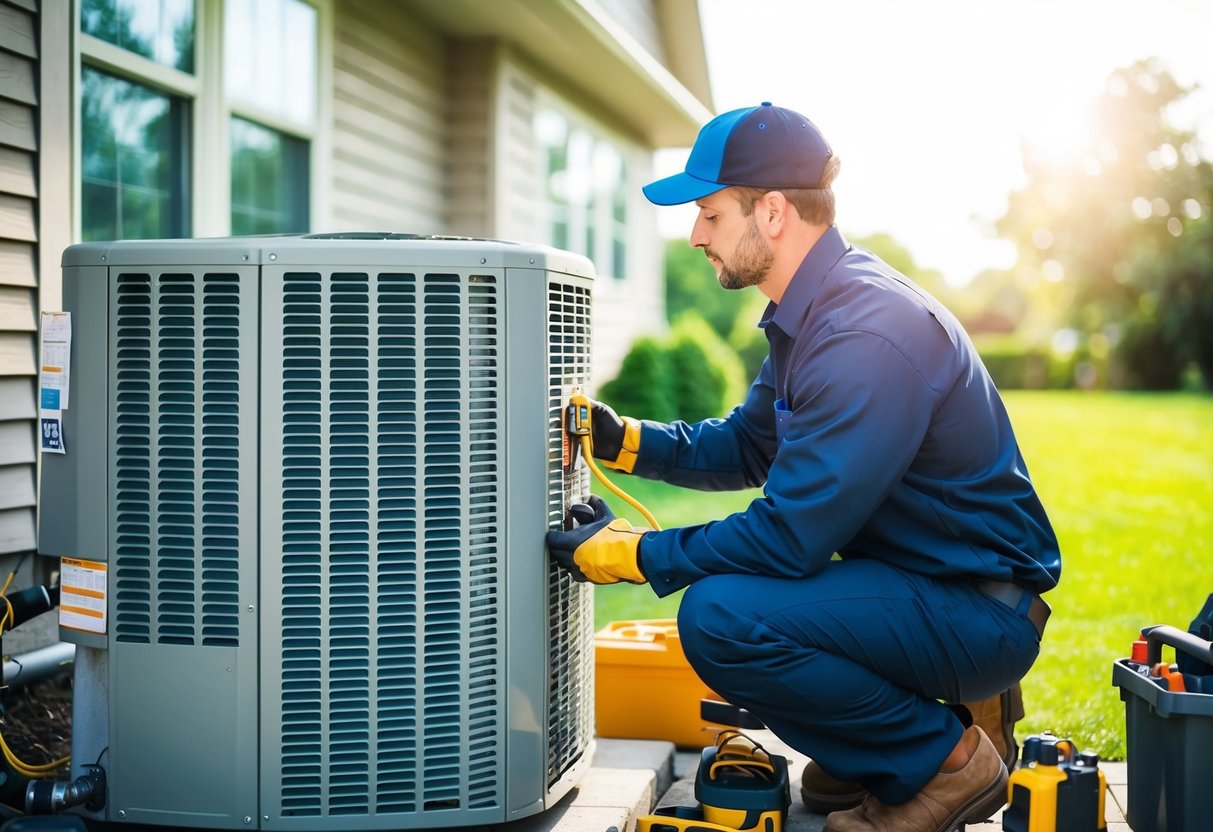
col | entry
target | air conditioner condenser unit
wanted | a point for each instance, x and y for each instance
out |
(310, 477)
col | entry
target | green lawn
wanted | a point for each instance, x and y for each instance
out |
(1128, 482)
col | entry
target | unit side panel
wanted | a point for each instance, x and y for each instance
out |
(73, 514)
(382, 563)
(182, 476)
(527, 455)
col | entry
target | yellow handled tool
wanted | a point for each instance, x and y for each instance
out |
(578, 426)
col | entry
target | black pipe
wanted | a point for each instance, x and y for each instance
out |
(49, 797)
(32, 601)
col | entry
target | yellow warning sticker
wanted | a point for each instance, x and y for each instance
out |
(82, 585)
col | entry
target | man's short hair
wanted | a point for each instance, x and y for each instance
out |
(814, 205)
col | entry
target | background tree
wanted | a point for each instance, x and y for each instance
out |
(1106, 229)
(691, 284)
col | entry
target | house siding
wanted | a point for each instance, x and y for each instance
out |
(18, 273)
(389, 121)
(517, 169)
(471, 71)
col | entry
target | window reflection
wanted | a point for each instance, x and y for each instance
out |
(269, 180)
(270, 64)
(586, 190)
(133, 156)
(160, 30)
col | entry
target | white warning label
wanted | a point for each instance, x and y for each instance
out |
(82, 595)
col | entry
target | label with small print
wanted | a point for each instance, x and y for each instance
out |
(82, 586)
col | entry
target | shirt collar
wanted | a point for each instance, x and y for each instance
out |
(791, 310)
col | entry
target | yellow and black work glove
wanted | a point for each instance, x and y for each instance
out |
(614, 439)
(602, 549)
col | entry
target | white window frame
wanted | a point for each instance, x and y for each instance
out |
(210, 114)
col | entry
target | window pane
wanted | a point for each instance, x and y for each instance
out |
(270, 50)
(586, 191)
(269, 180)
(134, 154)
(162, 30)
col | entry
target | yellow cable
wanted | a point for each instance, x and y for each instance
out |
(27, 769)
(8, 616)
(589, 459)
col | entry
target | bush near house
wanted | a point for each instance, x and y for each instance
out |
(691, 375)
(642, 389)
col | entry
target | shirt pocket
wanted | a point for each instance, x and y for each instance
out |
(783, 418)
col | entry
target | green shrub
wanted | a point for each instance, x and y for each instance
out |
(642, 389)
(692, 375)
(707, 375)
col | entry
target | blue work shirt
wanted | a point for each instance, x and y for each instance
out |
(876, 432)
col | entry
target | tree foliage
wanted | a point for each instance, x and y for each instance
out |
(690, 284)
(1121, 231)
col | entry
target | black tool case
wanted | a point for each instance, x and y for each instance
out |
(1169, 735)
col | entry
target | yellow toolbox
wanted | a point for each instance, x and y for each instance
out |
(645, 687)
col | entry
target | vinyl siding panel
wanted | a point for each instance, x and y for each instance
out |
(16, 354)
(17, 309)
(17, 29)
(470, 73)
(519, 181)
(16, 486)
(18, 274)
(17, 398)
(389, 121)
(17, 173)
(17, 263)
(16, 442)
(17, 530)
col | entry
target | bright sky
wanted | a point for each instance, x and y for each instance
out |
(926, 101)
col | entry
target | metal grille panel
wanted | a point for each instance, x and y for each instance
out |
(176, 411)
(570, 604)
(391, 639)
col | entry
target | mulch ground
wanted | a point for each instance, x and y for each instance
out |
(37, 721)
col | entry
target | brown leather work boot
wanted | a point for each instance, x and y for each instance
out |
(995, 716)
(823, 793)
(970, 794)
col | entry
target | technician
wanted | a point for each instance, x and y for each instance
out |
(897, 556)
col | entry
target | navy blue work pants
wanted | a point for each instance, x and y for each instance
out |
(850, 666)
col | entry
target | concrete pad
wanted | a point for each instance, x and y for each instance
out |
(572, 819)
(652, 755)
(631, 789)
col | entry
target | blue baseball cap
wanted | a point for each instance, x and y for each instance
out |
(757, 147)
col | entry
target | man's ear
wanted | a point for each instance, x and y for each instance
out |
(775, 211)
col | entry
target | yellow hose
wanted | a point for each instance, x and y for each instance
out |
(578, 425)
(32, 771)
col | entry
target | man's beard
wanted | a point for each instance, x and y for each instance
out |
(752, 260)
